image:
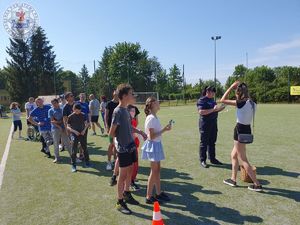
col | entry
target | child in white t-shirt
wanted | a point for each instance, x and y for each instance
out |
(152, 150)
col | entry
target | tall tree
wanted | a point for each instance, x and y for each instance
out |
(18, 70)
(43, 65)
(175, 80)
(76, 86)
(84, 77)
(3, 79)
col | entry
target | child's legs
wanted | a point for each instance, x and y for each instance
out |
(110, 148)
(152, 179)
(117, 167)
(15, 127)
(234, 161)
(83, 143)
(121, 181)
(241, 150)
(74, 150)
(66, 142)
(135, 167)
(56, 138)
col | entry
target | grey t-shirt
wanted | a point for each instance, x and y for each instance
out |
(16, 114)
(94, 106)
(121, 118)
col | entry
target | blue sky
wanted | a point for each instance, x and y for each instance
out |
(175, 31)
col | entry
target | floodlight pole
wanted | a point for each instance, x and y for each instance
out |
(215, 38)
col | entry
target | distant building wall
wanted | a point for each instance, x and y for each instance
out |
(4, 97)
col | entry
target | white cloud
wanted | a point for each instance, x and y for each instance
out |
(280, 47)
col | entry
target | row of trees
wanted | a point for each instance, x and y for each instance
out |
(268, 84)
(128, 62)
(32, 70)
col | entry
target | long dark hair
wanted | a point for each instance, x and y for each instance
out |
(242, 91)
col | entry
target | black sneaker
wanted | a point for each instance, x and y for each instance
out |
(216, 162)
(48, 154)
(151, 200)
(134, 187)
(230, 182)
(113, 180)
(204, 165)
(129, 199)
(163, 197)
(254, 187)
(43, 151)
(122, 207)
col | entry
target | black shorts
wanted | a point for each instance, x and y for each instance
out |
(17, 123)
(241, 129)
(94, 119)
(127, 159)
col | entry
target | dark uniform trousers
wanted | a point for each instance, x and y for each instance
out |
(208, 138)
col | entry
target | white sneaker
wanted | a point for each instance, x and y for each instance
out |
(108, 166)
(78, 160)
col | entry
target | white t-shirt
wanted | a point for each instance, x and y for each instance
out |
(245, 112)
(30, 107)
(153, 122)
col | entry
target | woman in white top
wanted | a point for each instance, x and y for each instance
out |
(152, 150)
(245, 113)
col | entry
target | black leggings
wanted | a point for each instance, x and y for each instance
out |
(17, 123)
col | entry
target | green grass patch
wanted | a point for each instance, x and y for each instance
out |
(36, 191)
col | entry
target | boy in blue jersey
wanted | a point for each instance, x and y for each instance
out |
(43, 122)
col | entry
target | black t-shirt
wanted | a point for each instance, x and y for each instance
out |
(111, 105)
(68, 109)
(77, 121)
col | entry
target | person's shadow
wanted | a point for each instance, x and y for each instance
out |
(184, 199)
(295, 195)
(269, 170)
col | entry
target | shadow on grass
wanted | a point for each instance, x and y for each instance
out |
(166, 173)
(224, 166)
(202, 211)
(184, 200)
(269, 170)
(295, 195)
(97, 165)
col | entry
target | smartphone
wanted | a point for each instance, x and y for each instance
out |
(171, 122)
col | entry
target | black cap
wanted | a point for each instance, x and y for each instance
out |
(211, 88)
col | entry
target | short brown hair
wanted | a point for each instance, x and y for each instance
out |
(68, 94)
(123, 89)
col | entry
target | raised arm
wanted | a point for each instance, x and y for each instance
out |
(225, 98)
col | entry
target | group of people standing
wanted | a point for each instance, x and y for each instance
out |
(66, 123)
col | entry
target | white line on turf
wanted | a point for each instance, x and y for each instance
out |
(5, 156)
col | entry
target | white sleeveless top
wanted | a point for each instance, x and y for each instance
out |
(244, 112)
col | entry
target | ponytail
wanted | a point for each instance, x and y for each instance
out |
(148, 105)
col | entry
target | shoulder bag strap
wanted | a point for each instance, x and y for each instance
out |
(253, 110)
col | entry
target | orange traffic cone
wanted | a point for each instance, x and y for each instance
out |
(157, 218)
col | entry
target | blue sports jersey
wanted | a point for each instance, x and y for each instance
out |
(41, 115)
(85, 109)
(57, 114)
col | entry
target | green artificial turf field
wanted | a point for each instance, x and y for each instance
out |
(36, 191)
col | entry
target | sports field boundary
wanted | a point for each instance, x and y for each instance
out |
(5, 156)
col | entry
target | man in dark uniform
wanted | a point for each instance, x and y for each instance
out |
(208, 110)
